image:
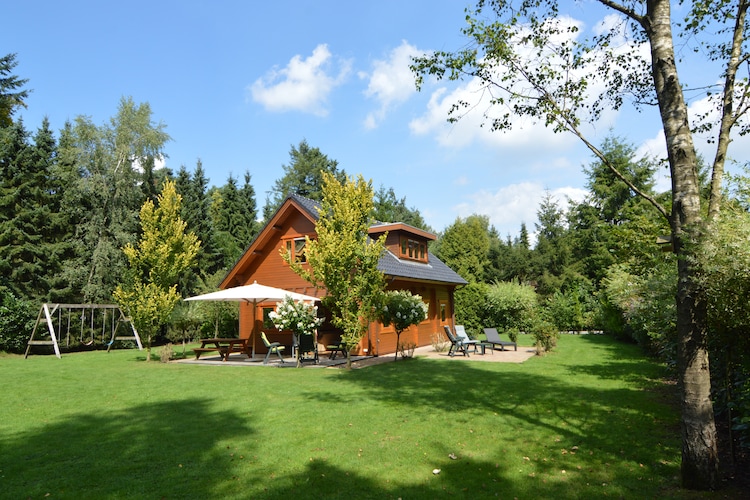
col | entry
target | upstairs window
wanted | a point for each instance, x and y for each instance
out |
(296, 247)
(413, 249)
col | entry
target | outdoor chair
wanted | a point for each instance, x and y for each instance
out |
(273, 347)
(308, 348)
(493, 337)
(335, 349)
(465, 339)
(456, 343)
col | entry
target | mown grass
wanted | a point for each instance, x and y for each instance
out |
(592, 419)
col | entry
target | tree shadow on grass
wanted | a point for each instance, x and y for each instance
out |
(147, 451)
(605, 423)
(462, 478)
(621, 361)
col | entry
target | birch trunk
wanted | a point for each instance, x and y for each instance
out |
(699, 447)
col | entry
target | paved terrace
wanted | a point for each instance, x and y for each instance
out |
(508, 356)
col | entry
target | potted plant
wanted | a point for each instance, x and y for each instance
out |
(298, 317)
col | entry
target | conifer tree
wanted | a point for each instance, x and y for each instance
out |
(163, 253)
(343, 259)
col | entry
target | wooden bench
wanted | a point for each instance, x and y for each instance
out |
(201, 350)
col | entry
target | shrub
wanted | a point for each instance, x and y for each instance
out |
(166, 353)
(407, 349)
(470, 306)
(16, 322)
(572, 309)
(545, 334)
(439, 342)
(511, 305)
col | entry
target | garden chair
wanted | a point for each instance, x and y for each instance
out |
(456, 344)
(335, 349)
(465, 339)
(493, 337)
(273, 347)
(308, 347)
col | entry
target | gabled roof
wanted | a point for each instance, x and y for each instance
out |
(432, 271)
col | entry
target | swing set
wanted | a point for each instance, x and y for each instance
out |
(109, 316)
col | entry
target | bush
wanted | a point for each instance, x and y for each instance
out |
(470, 307)
(407, 349)
(572, 309)
(439, 342)
(511, 305)
(166, 353)
(545, 334)
(16, 322)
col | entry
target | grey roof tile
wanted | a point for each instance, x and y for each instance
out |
(435, 270)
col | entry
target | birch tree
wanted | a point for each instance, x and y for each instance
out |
(531, 59)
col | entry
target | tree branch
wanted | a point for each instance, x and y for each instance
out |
(728, 117)
(623, 10)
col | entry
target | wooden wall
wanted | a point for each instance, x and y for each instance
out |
(268, 268)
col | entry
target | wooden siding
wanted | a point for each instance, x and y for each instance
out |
(263, 263)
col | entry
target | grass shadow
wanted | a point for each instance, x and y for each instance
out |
(147, 451)
(614, 423)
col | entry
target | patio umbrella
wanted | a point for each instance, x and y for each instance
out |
(253, 294)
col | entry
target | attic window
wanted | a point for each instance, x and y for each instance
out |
(413, 249)
(296, 247)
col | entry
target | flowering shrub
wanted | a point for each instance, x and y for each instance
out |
(402, 309)
(298, 317)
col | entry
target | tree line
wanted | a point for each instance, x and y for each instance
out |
(70, 203)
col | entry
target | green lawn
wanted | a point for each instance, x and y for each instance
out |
(592, 419)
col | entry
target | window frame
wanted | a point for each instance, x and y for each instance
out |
(412, 249)
(299, 254)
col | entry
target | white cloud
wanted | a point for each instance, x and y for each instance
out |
(472, 127)
(303, 85)
(512, 205)
(526, 132)
(391, 82)
(704, 143)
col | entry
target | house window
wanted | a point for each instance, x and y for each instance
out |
(296, 247)
(413, 249)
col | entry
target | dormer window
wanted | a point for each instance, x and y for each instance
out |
(413, 249)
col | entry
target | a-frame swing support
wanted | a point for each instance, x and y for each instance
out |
(47, 311)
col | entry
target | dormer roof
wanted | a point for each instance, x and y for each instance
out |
(434, 270)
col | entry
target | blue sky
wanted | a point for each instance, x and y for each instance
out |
(238, 83)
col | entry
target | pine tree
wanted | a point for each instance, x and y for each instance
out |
(11, 98)
(26, 220)
(303, 176)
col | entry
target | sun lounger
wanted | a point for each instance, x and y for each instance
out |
(493, 337)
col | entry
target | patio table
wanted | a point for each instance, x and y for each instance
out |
(224, 346)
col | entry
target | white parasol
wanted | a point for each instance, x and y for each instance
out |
(253, 294)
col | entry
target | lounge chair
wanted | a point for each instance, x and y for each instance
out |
(456, 343)
(465, 339)
(493, 337)
(273, 347)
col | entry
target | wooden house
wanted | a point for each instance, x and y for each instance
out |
(407, 265)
